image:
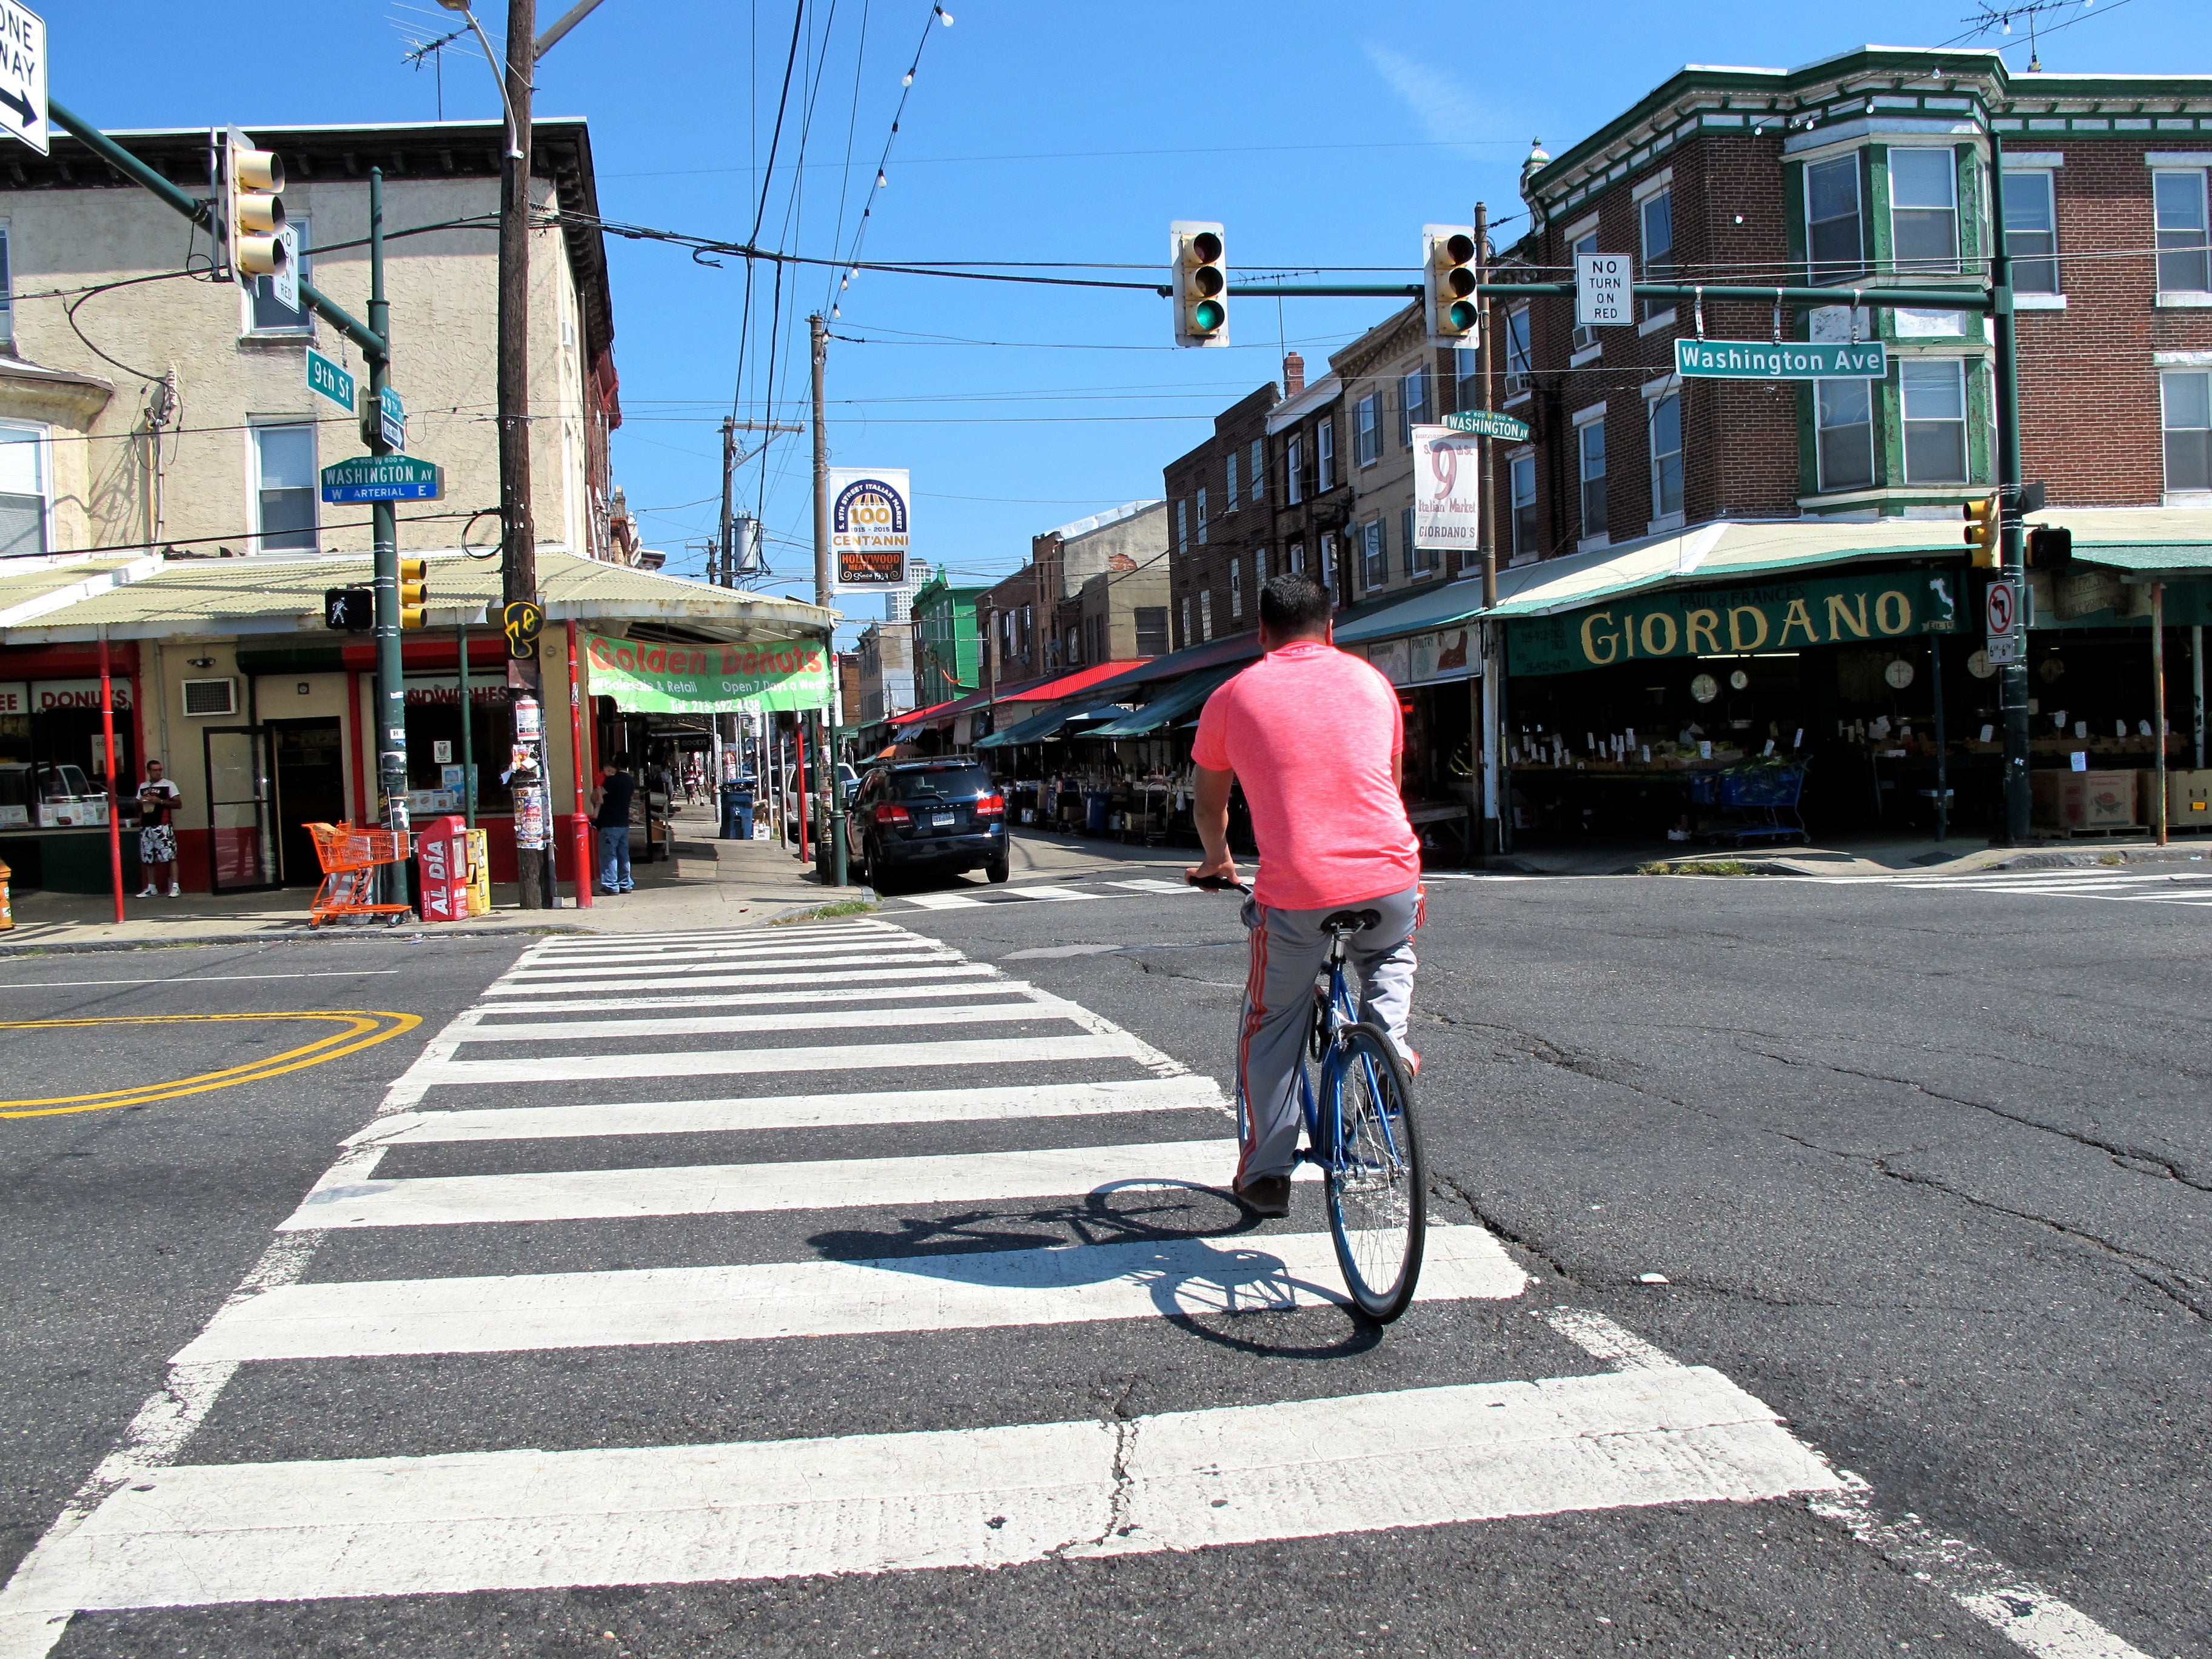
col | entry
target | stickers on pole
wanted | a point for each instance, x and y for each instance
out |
(869, 528)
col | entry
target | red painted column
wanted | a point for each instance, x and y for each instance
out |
(577, 761)
(114, 790)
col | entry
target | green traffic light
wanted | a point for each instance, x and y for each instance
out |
(1462, 316)
(1207, 316)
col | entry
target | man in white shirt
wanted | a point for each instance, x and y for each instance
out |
(158, 801)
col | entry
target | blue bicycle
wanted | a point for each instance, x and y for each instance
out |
(1361, 1133)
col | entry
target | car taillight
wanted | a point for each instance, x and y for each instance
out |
(991, 806)
(891, 811)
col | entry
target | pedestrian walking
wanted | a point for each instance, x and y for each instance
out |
(611, 819)
(158, 801)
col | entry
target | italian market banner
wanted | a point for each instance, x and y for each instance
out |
(869, 533)
(1731, 621)
(646, 677)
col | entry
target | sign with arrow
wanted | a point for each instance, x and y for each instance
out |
(23, 75)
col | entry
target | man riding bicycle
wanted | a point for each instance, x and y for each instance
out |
(1316, 738)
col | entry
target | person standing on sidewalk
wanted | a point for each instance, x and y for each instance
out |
(158, 801)
(611, 820)
(1316, 738)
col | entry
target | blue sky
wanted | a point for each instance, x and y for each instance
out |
(1322, 135)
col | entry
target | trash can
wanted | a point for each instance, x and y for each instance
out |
(1095, 806)
(738, 811)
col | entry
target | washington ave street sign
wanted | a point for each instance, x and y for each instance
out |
(1790, 360)
(383, 478)
(1488, 423)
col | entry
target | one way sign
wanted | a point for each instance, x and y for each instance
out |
(23, 74)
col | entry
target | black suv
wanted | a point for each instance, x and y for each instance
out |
(941, 816)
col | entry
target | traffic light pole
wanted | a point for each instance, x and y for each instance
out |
(2012, 682)
(383, 533)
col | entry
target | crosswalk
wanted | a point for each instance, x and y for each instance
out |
(722, 1144)
(1042, 893)
(2182, 883)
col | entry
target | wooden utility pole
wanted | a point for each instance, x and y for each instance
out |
(834, 818)
(519, 540)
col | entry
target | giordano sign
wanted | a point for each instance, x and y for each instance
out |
(1715, 622)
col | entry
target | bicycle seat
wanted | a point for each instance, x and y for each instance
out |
(1351, 922)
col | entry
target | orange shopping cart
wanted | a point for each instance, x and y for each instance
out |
(350, 857)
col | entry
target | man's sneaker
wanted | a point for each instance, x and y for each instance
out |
(1266, 1195)
(175, 891)
(147, 892)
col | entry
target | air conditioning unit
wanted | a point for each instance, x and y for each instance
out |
(211, 697)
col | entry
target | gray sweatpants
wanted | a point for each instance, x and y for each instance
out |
(1288, 949)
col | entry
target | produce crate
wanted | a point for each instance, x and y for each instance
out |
(2188, 797)
(2077, 801)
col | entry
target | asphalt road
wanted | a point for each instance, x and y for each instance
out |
(1923, 1168)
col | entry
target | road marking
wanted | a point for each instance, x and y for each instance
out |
(993, 896)
(758, 950)
(676, 1117)
(756, 1189)
(1052, 950)
(944, 964)
(1030, 1005)
(677, 941)
(736, 1062)
(1155, 885)
(921, 953)
(363, 1029)
(194, 979)
(972, 982)
(1076, 1284)
(525, 1520)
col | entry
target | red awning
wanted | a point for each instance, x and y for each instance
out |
(1066, 685)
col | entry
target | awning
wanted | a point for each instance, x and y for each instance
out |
(1064, 685)
(1038, 728)
(1171, 705)
(1235, 650)
(2150, 561)
(937, 715)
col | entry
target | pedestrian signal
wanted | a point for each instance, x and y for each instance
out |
(350, 609)
(2049, 548)
(1448, 283)
(414, 580)
(1981, 527)
(1201, 282)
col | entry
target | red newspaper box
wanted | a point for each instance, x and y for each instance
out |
(442, 862)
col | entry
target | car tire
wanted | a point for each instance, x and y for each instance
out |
(883, 880)
(1000, 868)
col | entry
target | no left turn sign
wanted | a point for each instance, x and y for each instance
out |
(2002, 609)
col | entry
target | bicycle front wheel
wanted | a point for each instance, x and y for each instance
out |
(1376, 1184)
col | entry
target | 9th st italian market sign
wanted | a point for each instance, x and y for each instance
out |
(647, 678)
(1721, 622)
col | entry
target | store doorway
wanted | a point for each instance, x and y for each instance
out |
(308, 763)
(240, 855)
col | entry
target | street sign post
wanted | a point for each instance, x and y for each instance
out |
(2001, 610)
(331, 380)
(1789, 360)
(1601, 285)
(383, 478)
(23, 75)
(1489, 424)
(393, 414)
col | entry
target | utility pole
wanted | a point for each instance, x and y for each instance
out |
(725, 570)
(384, 539)
(518, 541)
(2012, 682)
(818, 333)
(1489, 723)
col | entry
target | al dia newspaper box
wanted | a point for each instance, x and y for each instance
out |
(442, 862)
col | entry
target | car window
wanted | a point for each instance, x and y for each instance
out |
(947, 783)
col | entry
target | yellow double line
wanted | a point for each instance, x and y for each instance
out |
(362, 1029)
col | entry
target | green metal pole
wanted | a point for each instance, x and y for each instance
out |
(2011, 683)
(391, 687)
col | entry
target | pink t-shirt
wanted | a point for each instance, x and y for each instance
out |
(1309, 733)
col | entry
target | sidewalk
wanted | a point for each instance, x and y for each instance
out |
(1885, 855)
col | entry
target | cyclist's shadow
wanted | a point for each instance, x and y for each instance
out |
(1199, 1280)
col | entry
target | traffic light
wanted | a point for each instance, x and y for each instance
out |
(1448, 282)
(2049, 548)
(414, 576)
(1982, 524)
(1201, 279)
(253, 209)
(350, 610)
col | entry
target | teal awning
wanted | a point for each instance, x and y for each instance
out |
(1038, 728)
(1172, 704)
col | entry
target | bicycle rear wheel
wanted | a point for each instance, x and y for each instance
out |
(1377, 1185)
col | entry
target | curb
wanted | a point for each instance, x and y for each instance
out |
(80, 947)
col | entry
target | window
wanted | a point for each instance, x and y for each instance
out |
(1419, 560)
(1152, 630)
(1933, 393)
(1367, 430)
(1467, 374)
(1374, 556)
(1328, 564)
(2188, 401)
(1230, 492)
(1325, 457)
(1186, 619)
(1835, 245)
(1182, 526)
(1656, 215)
(1413, 404)
(1294, 470)
(1257, 483)
(2184, 263)
(1518, 361)
(2031, 232)
(1667, 456)
(23, 476)
(1523, 474)
(1206, 614)
(1590, 442)
(1845, 420)
(1201, 518)
(285, 467)
(270, 314)
(1236, 587)
(1585, 334)
(1923, 210)
(1294, 558)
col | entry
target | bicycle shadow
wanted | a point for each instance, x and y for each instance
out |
(1196, 1276)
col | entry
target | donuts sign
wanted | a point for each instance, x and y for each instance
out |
(868, 528)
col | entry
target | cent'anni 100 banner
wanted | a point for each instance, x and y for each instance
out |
(1726, 621)
(645, 677)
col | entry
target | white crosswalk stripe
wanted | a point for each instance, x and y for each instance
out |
(2139, 885)
(970, 898)
(153, 1530)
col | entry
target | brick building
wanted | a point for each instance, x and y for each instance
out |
(1309, 496)
(1219, 523)
(1392, 380)
(1033, 622)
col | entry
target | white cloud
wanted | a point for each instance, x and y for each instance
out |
(1448, 111)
